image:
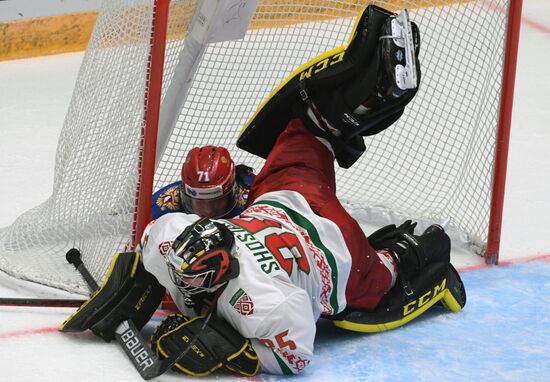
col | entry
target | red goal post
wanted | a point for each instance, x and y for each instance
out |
(503, 136)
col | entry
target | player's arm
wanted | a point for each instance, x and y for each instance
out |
(166, 200)
(284, 340)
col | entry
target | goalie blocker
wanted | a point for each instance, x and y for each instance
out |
(129, 292)
(346, 93)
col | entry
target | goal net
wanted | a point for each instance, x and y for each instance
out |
(435, 164)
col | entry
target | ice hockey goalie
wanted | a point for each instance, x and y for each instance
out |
(250, 289)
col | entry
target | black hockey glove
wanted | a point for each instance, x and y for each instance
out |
(216, 344)
(387, 235)
(413, 252)
(128, 292)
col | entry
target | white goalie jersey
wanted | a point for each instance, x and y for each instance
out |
(294, 266)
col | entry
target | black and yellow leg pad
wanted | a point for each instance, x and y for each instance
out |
(333, 81)
(128, 291)
(438, 282)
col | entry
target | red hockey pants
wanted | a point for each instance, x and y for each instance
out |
(300, 162)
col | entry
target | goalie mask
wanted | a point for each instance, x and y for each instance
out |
(202, 258)
(208, 185)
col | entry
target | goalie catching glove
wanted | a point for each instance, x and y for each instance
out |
(208, 346)
(128, 292)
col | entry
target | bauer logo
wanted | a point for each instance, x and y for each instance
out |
(140, 357)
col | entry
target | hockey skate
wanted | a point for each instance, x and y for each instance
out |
(399, 47)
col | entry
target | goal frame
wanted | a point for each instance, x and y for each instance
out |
(491, 254)
(142, 215)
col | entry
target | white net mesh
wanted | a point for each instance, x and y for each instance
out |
(435, 163)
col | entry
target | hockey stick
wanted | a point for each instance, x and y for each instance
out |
(130, 338)
(40, 302)
(73, 258)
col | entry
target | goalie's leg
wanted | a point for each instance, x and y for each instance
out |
(438, 282)
(300, 162)
(425, 276)
(346, 93)
(373, 99)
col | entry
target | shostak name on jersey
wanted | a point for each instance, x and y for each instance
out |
(264, 257)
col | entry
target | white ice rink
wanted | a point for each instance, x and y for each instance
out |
(34, 96)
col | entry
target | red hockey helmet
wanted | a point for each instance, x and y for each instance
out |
(208, 186)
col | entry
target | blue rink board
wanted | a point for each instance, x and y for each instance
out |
(503, 334)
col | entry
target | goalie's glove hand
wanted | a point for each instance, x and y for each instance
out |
(386, 236)
(217, 345)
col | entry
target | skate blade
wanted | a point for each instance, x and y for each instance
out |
(402, 35)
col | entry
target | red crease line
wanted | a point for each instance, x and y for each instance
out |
(26, 332)
(536, 25)
(501, 263)
(50, 330)
(525, 20)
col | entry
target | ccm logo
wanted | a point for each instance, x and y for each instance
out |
(424, 299)
(322, 65)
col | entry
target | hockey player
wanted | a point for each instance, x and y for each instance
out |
(210, 186)
(251, 288)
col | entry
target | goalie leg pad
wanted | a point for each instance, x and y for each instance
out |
(437, 282)
(128, 291)
(336, 85)
(217, 345)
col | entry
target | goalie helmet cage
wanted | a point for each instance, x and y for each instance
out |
(444, 159)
